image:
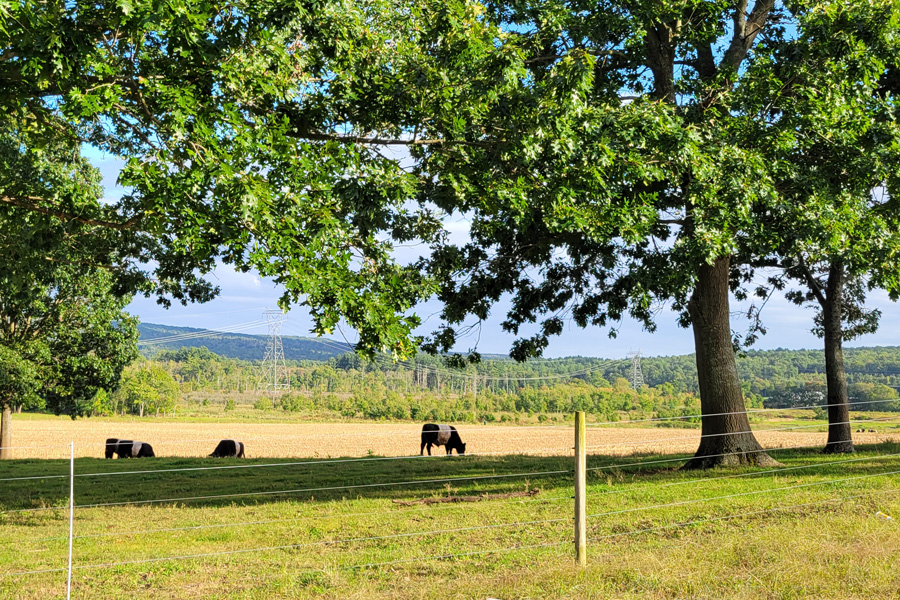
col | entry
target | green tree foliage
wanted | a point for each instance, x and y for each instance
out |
(74, 333)
(18, 380)
(61, 285)
(640, 163)
(831, 233)
(610, 156)
(251, 134)
(147, 389)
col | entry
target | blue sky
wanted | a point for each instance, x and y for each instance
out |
(244, 296)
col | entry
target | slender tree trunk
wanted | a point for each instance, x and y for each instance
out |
(727, 439)
(6, 432)
(840, 438)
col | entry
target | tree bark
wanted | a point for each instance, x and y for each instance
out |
(6, 432)
(726, 436)
(840, 435)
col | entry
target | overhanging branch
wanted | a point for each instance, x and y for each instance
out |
(28, 203)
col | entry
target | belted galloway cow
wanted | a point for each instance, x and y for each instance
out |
(441, 435)
(227, 448)
(128, 449)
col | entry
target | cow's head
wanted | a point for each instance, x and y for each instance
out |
(111, 444)
(461, 449)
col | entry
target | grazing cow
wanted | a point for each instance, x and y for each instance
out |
(128, 449)
(441, 435)
(872, 431)
(227, 448)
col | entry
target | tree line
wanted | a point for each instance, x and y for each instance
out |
(355, 387)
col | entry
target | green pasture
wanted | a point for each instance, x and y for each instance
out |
(332, 529)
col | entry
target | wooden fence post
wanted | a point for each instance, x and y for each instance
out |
(580, 496)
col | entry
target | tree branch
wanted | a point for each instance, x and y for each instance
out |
(28, 203)
(551, 57)
(746, 28)
(353, 139)
(814, 285)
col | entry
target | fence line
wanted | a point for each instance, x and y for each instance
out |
(312, 544)
(604, 467)
(742, 494)
(350, 460)
(473, 478)
(461, 429)
(505, 549)
(739, 475)
(285, 492)
(744, 514)
(652, 441)
(631, 488)
(402, 511)
(327, 488)
(748, 431)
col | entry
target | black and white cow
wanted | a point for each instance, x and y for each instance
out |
(128, 449)
(228, 448)
(441, 435)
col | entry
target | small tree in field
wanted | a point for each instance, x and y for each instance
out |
(148, 389)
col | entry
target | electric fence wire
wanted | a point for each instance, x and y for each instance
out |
(746, 514)
(495, 526)
(591, 494)
(325, 489)
(370, 485)
(741, 494)
(462, 429)
(730, 433)
(299, 518)
(650, 442)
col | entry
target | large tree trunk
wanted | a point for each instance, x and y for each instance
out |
(6, 432)
(840, 438)
(727, 439)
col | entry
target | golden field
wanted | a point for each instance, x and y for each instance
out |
(49, 438)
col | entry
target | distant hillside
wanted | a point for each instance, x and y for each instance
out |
(233, 345)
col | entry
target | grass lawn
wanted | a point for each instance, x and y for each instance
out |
(332, 529)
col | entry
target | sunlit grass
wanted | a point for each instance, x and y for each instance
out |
(806, 531)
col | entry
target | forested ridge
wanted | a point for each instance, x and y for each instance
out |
(232, 345)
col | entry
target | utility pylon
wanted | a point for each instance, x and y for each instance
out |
(274, 376)
(636, 377)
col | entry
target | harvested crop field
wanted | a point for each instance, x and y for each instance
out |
(49, 438)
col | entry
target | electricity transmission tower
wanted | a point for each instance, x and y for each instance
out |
(636, 377)
(274, 376)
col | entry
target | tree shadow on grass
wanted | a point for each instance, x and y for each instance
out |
(191, 482)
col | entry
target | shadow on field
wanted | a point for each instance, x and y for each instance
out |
(190, 481)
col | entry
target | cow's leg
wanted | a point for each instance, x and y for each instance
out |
(422, 448)
(429, 448)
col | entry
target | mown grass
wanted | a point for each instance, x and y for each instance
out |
(807, 530)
